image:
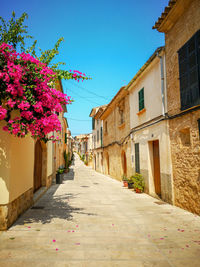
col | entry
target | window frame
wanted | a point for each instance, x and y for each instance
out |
(141, 99)
(189, 72)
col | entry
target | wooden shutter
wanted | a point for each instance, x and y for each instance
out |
(199, 126)
(141, 99)
(65, 138)
(137, 158)
(189, 73)
(93, 123)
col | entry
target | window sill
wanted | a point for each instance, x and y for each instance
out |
(121, 126)
(141, 111)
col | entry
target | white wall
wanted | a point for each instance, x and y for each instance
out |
(150, 80)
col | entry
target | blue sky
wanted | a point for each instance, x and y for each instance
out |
(109, 40)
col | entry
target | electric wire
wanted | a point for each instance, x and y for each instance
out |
(82, 88)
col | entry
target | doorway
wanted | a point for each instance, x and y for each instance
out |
(156, 167)
(37, 166)
(108, 163)
(124, 162)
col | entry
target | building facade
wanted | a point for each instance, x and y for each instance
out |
(97, 138)
(116, 141)
(149, 127)
(181, 24)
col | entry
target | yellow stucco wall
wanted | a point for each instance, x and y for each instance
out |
(16, 166)
(4, 165)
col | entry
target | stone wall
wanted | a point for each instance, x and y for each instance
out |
(185, 149)
(116, 133)
(11, 211)
(184, 134)
(179, 34)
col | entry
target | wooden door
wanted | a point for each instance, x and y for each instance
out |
(124, 164)
(156, 165)
(38, 166)
(108, 163)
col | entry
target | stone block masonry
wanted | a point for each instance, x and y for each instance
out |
(11, 211)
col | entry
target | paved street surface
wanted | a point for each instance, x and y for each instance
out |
(92, 220)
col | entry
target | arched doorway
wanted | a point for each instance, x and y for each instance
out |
(124, 163)
(38, 166)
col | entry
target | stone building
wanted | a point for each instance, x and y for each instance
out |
(150, 146)
(180, 22)
(97, 137)
(116, 142)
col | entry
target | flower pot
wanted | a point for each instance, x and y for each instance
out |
(137, 190)
(125, 183)
(59, 178)
(130, 185)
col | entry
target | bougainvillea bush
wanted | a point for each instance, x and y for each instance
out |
(26, 85)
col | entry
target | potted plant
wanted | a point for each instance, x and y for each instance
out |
(59, 175)
(138, 182)
(125, 180)
(130, 182)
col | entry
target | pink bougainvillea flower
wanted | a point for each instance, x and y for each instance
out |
(29, 227)
(68, 231)
(56, 249)
(3, 113)
(54, 240)
(77, 225)
(77, 244)
(73, 231)
(161, 238)
(78, 72)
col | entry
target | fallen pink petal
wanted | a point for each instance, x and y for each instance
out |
(77, 244)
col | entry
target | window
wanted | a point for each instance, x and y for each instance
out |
(189, 72)
(65, 138)
(121, 107)
(121, 116)
(93, 123)
(141, 99)
(106, 127)
(137, 158)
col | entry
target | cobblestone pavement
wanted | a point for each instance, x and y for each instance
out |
(92, 220)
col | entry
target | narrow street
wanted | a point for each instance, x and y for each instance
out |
(92, 220)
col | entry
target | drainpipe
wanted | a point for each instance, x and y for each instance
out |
(162, 84)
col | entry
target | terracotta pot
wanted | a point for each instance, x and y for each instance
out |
(125, 183)
(137, 190)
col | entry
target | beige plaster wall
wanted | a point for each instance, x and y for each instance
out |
(150, 80)
(159, 131)
(5, 154)
(16, 166)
